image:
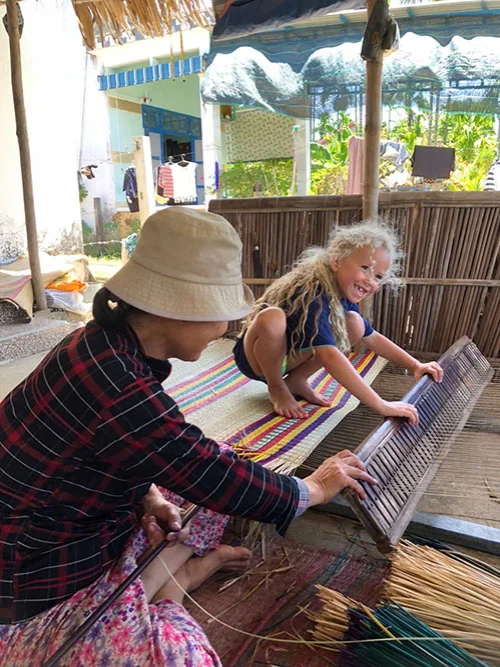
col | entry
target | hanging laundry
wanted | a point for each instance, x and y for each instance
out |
(165, 181)
(356, 150)
(493, 177)
(395, 152)
(184, 179)
(88, 171)
(130, 189)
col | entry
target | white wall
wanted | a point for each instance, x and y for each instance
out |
(53, 61)
(96, 146)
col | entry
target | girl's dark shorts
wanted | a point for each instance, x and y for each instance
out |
(242, 362)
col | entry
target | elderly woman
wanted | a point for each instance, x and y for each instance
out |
(88, 436)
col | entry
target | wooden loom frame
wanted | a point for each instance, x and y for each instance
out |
(386, 540)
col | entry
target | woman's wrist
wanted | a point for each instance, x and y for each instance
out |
(316, 495)
(304, 498)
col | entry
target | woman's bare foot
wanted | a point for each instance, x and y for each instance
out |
(284, 403)
(299, 386)
(198, 569)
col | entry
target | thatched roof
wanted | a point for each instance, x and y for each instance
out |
(150, 18)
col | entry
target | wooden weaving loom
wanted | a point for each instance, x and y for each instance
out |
(405, 458)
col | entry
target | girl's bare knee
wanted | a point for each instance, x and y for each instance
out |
(355, 326)
(271, 321)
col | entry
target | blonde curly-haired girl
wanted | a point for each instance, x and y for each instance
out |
(309, 318)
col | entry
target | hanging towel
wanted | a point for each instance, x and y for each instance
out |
(166, 181)
(356, 151)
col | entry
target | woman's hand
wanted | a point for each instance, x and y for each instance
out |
(399, 409)
(337, 473)
(161, 520)
(432, 368)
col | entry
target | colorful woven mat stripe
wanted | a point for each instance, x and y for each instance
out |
(208, 386)
(272, 436)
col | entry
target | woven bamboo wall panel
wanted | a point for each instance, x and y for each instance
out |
(451, 243)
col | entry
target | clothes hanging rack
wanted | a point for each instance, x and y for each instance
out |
(171, 158)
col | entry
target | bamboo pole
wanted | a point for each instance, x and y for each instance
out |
(373, 111)
(24, 153)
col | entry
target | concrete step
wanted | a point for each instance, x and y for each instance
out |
(39, 335)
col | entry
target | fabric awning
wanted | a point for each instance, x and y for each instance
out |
(243, 17)
(468, 70)
(295, 43)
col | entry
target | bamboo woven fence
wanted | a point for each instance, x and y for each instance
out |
(451, 267)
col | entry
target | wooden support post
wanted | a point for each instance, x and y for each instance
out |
(99, 224)
(144, 174)
(24, 153)
(373, 111)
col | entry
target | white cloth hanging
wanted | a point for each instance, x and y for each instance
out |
(184, 178)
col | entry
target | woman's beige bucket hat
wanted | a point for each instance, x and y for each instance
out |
(186, 266)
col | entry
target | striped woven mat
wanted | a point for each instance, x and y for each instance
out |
(208, 386)
(228, 406)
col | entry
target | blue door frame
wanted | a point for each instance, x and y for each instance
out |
(169, 123)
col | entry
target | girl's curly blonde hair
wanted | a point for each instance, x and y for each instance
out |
(312, 276)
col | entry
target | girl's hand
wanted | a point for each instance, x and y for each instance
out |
(432, 368)
(399, 409)
(337, 473)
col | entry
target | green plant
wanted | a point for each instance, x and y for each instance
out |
(474, 139)
(273, 177)
(111, 248)
(330, 154)
(82, 192)
(135, 226)
(471, 135)
(87, 232)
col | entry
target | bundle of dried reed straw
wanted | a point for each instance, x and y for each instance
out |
(458, 599)
(386, 637)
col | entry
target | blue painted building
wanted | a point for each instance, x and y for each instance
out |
(153, 89)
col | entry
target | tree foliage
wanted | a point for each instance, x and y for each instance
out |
(330, 155)
(472, 136)
(475, 143)
(269, 178)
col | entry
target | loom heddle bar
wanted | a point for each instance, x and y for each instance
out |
(404, 458)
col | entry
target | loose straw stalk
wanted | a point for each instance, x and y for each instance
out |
(333, 621)
(452, 597)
